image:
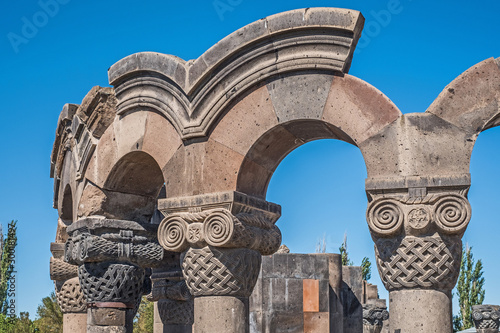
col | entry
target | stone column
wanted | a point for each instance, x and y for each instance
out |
(373, 318)
(417, 233)
(68, 292)
(222, 237)
(174, 308)
(112, 256)
(486, 318)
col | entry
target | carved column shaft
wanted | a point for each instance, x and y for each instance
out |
(222, 237)
(417, 234)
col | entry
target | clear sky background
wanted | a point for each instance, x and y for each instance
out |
(410, 55)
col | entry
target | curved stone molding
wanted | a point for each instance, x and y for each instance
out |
(419, 262)
(373, 318)
(213, 271)
(192, 94)
(471, 101)
(486, 318)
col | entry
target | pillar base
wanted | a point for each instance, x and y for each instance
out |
(420, 311)
(75, 323)
(110, 320)
(221, 314)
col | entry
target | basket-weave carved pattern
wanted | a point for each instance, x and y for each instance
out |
(221, 272)
(173, 312)
(424, 262)
(107, 282)
(70, 297)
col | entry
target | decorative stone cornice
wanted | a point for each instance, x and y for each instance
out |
(486, 318)
(193, 94)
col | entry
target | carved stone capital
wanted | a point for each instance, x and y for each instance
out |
(100, 240)
(419, 262)
(211, 271)
(486, 318)
(373, 318)
(445, 213)
(67, 286)
(226, 220)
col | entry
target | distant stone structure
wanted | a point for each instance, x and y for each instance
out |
(194, 145)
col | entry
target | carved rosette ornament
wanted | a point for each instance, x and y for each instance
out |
(373, 318)
(222, 237)
(67, 286)
(418, 235)
(486, 318)
(112, 257)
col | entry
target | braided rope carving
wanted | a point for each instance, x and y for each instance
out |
(60, 270)
(92, 248)
(221, 272)
(70, 297)
(424, 262)
(110, 282)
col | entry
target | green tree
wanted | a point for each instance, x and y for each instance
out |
(7, 265)
(50, 317)
(144, 319)
(470, 289)
(366, 269)
(344, 254)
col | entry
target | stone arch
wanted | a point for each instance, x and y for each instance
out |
(265, 125)
(136, 132)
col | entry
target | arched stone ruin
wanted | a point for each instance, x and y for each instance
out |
(200, 140)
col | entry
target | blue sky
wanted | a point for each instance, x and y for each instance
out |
(410, 55)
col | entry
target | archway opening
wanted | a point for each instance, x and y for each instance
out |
(484, 227)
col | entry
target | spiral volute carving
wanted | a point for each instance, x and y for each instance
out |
(385, 217)
(172, 234)
(452, 213)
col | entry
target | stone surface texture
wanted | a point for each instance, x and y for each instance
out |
(194, 144)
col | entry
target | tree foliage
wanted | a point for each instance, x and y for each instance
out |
(50, 317)
(344, 254)
(470, 289)
(7, 265)
(366, 269)
(23, 324)
(144, 319)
